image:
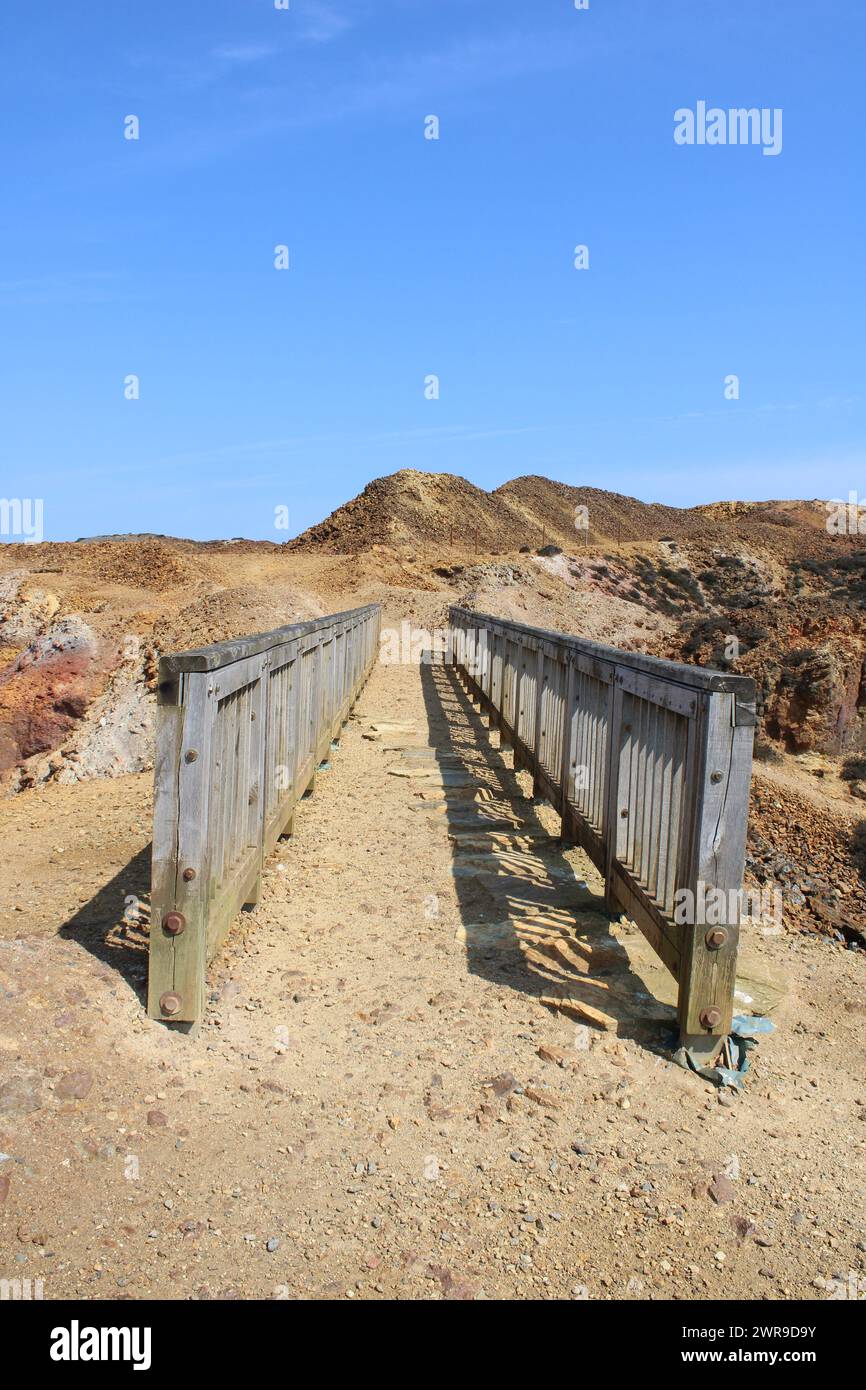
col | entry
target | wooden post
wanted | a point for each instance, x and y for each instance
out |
(178, 940)
(256, 747)
(617, 774)
(569, 737)
(519, 686)
(484, 674)
(539, 712)
(714, 875)
(494, 693)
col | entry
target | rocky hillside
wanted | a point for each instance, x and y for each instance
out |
(758, 587)
(413, 509)
(82, 625)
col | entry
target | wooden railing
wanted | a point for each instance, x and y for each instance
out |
(648, 762)
(242, 727)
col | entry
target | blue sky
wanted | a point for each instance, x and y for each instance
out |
(262, 388)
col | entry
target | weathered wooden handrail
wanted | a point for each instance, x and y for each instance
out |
(242, 727)
(648, 762)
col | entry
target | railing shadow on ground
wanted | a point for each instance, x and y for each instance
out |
(113, 924)
(530, 924)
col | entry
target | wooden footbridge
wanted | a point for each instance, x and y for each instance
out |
(647, 762)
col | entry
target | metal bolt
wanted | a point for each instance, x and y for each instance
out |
(624, 812)
(170, 1003)
(188, 875)
(716, 776)
(711, 1017)
(716, 938)
(174, 923)
(190, 755)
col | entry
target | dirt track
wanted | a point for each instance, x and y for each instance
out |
(379, 1090)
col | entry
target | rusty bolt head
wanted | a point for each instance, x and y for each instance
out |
(624, 813)
(190, 755)
(716, 938)
(188, 875)
(716, 776)
(711, 1017)
(173, 923)
(170, 1003)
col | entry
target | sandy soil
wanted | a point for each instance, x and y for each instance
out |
(396, 1091)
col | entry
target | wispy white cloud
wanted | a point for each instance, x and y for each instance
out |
(375, 82)
(469, 64)
(308, 22)
(320, 23)
(243, 52)
(64, 287)
(734, 410)
(444, 434)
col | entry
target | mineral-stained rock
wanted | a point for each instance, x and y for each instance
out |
(721, 1189)
(75, 1085)
(19, 1095)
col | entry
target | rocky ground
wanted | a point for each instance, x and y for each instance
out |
(415, 1077)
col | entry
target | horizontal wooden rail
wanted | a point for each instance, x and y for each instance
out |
(648, 763)
(242, 727)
